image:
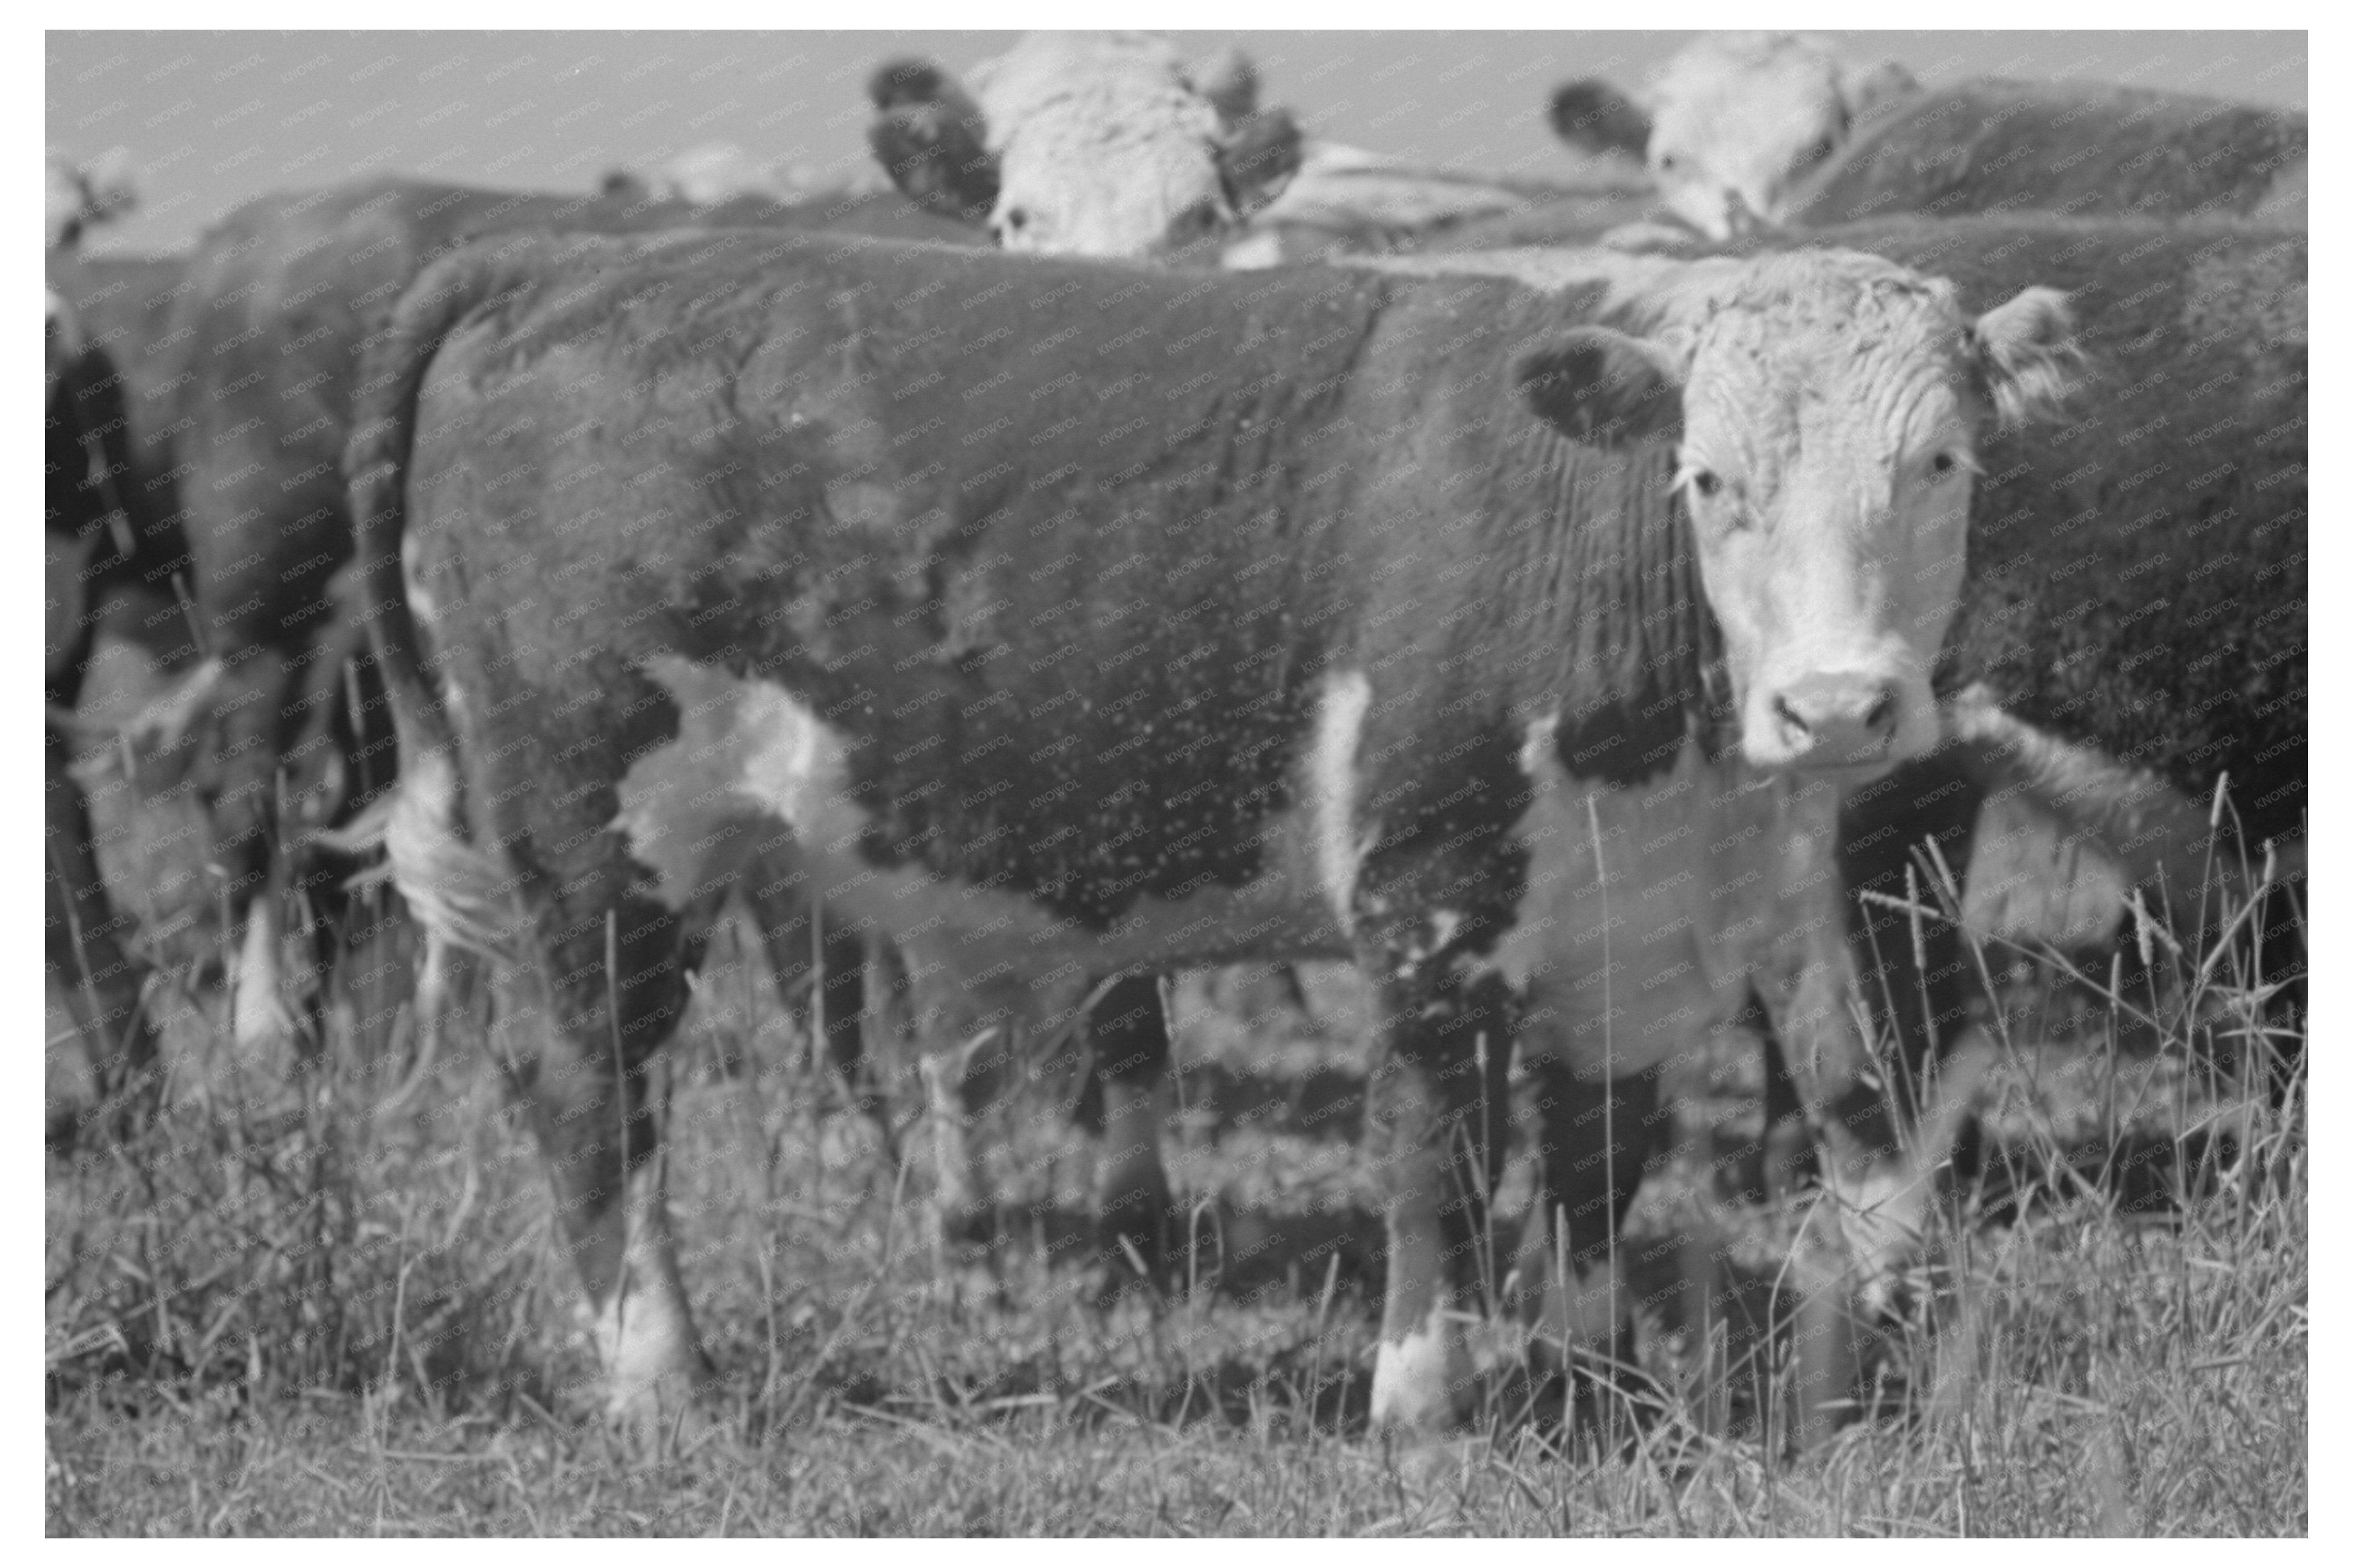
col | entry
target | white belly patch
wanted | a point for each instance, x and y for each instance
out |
(979, 959)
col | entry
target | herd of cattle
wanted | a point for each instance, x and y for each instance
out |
(1560, 604)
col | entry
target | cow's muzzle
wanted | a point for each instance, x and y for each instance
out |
(1836, 721)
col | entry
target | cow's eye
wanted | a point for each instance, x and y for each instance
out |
(1820, 150)
(1943, 465)
(1705, 485)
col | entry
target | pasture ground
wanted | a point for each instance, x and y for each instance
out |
(293, 1307)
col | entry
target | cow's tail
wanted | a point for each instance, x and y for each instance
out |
(462, 898)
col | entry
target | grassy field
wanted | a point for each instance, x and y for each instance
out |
(295, 1306)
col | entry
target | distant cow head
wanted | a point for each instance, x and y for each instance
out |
(1826, 407)
(82, 195)
(1733, 121)
(1084, 144)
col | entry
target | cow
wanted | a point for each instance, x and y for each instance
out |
(2079, 150)
(84, 529)
(1346, 201)
(1247, 614)
(278, 297)
(1734, 120)
(78, 197)
(1084, 144)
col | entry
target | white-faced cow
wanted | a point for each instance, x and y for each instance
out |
(2133, 622)
(1734, 120)
(1239, 616)
(78, 197)
(1084, 144)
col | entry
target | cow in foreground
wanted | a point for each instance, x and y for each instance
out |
(2132, 630)
(1246, 617)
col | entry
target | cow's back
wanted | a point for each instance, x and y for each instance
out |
(907, 481)
(2085, 151)
(284, 293)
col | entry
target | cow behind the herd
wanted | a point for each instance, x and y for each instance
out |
(1249, 713)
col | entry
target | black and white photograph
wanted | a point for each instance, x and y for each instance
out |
(1411, 776)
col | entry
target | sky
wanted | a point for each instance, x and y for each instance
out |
(213, 119)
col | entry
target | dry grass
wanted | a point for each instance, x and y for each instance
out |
(282, 1310)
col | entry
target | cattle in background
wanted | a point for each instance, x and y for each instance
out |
(1158, 670)
(280, 296)
(1345, 201)
(1734, 120)
(88, 960)
(78, 197)
(2080, 150)
(2133, 631)
(1084, 144)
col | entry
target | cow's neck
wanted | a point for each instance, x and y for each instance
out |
(1615, 635)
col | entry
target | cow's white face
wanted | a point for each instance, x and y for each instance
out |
(1828, 485)
(1066, 189)
(1826, 406)
(1832, 413)
(1735, 121)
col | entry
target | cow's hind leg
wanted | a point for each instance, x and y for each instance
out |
(578, 1031)
(1437, 1109)
(1128, 1031)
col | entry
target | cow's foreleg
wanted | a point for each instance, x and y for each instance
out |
(1128, 1031)
(1595, 1141)
(1436, 1107)
(1884, 1121)
(84, 950)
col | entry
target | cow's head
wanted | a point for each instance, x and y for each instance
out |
(1826, 408)
(1734, 120)
(1084, 144)
(82, 195)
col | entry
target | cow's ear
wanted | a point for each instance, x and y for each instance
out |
(1867, 92)
(2025, 356)
(1598, 385)
(1594, 116)
(932, 139)
(1258, 158)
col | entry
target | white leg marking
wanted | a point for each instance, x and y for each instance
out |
(259, 1018)
(1422, 1381)
(645, 1334)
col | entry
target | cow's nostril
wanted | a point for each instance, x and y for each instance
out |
(1790, 719)
(1882, 712)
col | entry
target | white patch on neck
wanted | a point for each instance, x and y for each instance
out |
(1649, 912)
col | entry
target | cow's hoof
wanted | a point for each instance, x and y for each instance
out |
(656, 1416)
(1423, 1382)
